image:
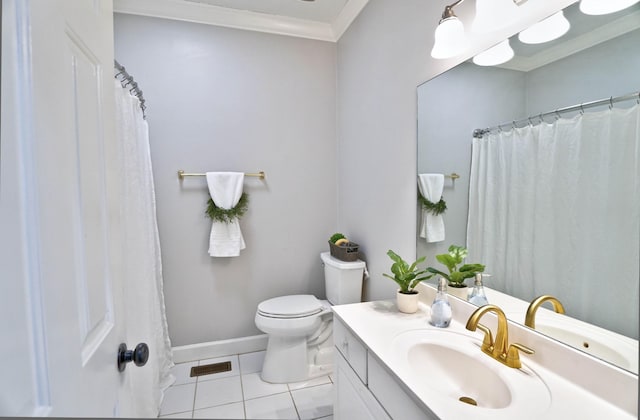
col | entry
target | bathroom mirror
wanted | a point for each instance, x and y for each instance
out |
(598, 58)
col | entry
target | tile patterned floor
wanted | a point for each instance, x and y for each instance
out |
(241, 394)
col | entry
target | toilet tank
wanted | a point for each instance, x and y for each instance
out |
(342, 279)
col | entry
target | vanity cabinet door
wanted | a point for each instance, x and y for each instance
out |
(390, 394)
(351, 349)
(351, 399)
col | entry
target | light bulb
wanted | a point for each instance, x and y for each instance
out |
(498, 54)
(546, 30)
(603, 7)
(492, 15)
(449, 38)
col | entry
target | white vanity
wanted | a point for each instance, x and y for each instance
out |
(391, 365)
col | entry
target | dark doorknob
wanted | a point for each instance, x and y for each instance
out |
(138, 356)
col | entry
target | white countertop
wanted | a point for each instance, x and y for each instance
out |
(580, 386)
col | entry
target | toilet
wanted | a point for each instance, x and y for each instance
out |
(300, 345)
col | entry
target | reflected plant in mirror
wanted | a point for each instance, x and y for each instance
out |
(548, 198)
(453, 259)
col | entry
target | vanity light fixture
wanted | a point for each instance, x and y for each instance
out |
(546, 30)
(449, 35)
(602, 7)
(498, 54)
(493, 15)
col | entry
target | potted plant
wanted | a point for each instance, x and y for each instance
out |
(456, 276)
(407, 276)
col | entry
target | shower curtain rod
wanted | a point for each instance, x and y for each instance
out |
(127, 80)
(479, 132)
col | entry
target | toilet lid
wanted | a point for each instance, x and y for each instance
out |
(293, 306)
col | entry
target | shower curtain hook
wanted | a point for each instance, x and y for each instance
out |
(611, 102)
(530, 123)
(638, 98)
(557, 115)
(541, 118)
(513, 124)
(581, 109)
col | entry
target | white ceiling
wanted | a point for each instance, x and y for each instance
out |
(320, 10)
(324, 20)
(585, 32)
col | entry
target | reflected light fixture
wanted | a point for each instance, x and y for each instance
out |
(498, 54)
(449, 35)
(603, 7)
(493, 15)
(546, 30)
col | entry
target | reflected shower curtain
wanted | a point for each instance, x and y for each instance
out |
(555, 209)
(143, 290)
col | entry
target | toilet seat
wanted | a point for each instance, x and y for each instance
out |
(293, 306)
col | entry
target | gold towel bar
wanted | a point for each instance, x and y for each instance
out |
(182, 174)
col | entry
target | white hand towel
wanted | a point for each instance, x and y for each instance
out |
(431, 186)
(226, 189)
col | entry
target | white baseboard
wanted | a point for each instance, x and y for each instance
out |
(220, 348)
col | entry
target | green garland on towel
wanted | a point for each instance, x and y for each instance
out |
(218, 214)
(433, 208)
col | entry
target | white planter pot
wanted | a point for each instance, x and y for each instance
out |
(459, 292)
(407, 303)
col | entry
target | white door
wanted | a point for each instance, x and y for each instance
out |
(60, 253)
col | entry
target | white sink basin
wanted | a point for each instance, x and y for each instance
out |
(590, 339)
(466, 380)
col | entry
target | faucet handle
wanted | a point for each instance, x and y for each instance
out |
(487, 342)
(513, 356)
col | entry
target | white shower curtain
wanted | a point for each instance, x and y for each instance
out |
(143, 290)
(555, 209)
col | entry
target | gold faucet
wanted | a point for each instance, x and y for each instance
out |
(530, 317)
(500, 348)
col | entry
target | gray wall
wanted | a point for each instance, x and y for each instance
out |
(478, 97)
(450, 107)
(224, 99)
(604, 70)
(379, 61)
(382, 57)
(231, 100)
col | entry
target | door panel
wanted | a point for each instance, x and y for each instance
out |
(60, 166)
(93, 283)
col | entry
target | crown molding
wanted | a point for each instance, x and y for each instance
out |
(243, 19)
(602, 34)
(349, 13)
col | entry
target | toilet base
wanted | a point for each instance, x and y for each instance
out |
(285, 360)
(290, 359)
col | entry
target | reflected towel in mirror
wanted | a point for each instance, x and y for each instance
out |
(431, 186)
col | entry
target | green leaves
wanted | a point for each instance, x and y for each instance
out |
(405, 275)
(408, 276)
(433, 208)
(336, 236)
(219, 214)
(456, 256)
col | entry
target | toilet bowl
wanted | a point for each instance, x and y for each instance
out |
(300, 345)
